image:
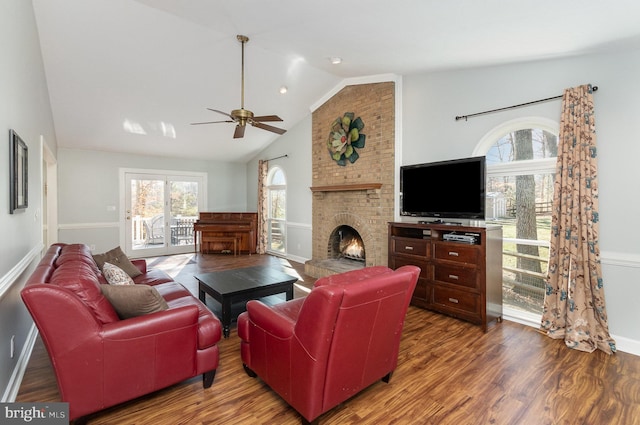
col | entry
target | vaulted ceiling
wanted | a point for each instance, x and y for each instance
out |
(131, 75)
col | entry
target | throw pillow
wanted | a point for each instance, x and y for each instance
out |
(115, 275)
(117, 257)
(134, 300)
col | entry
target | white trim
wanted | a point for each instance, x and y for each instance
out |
(397, 148)
(16, 271)
(527, 166)
(533, 320)
(620, 259)
(529, 242)
(123, 171)
(81, 226)
(523, 317)
(627, 345)
(370, 79)
(293, 224)
(297, 259)
(11, 392)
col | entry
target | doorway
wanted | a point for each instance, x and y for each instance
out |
(160, 210)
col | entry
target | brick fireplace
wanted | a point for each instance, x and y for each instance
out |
(359, 195)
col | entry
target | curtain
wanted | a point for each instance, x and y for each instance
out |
(574, 304)
(263, 212)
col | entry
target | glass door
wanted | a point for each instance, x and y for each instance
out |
(183, 208)
(160, 210)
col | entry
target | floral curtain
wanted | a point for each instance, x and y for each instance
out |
(574, 304)
(263, 213)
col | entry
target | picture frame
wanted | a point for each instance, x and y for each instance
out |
(19, 173)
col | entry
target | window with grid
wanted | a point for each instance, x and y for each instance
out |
(520, 175)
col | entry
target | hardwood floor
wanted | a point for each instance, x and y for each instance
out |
(449, 372)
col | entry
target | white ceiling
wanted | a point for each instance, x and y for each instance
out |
(118, 68)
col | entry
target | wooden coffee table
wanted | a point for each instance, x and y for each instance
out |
(231, 287)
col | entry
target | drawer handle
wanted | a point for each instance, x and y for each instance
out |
(453, 300)
(408, 248)
(453, 276)
(453, 253)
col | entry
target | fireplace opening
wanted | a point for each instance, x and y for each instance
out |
(345, 242)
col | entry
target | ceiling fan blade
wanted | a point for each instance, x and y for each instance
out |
(267, 118)
(268, 127)
(210, 122)
(239, 133)
(221, 112)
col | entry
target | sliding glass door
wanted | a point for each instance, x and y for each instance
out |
(160, 210)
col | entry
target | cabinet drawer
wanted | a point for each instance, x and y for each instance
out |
(462, 276)
(456, 252)
(456, 300)
(421, 289)
(419, 247)
(396, 262)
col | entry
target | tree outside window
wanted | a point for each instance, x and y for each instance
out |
(520, 173)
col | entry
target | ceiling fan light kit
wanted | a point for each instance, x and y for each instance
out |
(242, 116)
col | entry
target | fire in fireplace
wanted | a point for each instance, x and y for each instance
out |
(346, 242)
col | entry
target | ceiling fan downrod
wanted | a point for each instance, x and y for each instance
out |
(242, 39)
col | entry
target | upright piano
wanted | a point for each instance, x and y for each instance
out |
(225, 231)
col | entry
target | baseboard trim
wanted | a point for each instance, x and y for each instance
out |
(625, 345)
(11, 392)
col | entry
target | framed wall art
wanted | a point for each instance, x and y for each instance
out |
(19, 173)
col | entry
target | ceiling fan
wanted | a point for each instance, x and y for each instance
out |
(242, 116)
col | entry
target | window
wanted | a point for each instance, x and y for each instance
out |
(277, 199)
(520, 175)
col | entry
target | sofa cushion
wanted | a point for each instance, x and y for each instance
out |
(76, 252)
(152, 277)
(79, 278)
(118, 258)
(134, 300)
(115, 275)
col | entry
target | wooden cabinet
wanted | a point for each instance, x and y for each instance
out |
(461, 278)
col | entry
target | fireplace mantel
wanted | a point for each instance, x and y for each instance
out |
(346, 187)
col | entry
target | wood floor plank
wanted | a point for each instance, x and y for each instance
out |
(449, 372)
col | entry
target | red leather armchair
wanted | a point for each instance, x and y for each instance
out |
(318, 351)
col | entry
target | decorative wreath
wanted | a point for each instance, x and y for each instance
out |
(344, 137)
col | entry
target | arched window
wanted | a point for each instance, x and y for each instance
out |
(521, 158)
(277, 199)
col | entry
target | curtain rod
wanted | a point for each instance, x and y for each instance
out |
(278, 157)
(465, 117)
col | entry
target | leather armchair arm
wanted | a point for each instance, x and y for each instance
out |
(141, 264)
(270, 320)
(151, 324)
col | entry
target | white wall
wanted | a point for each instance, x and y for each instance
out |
(89, 183)
(430, 132)
(430, 103)
(24, 106)
(296, 144)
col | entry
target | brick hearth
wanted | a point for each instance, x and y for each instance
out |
(361, 194)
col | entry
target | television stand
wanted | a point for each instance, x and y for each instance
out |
(461, 268)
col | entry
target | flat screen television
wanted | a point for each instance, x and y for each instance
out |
(444, 189)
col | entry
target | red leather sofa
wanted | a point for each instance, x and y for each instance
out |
(100, 360)
(318, 351)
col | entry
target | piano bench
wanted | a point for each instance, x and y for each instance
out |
(220, 239)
